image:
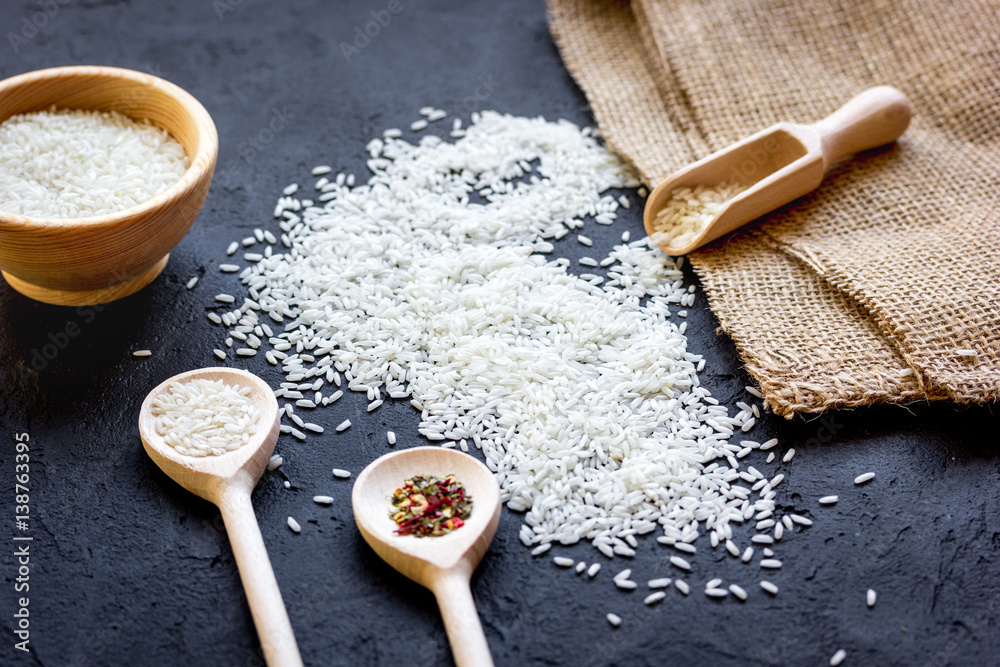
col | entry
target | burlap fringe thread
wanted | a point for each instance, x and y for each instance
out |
(861, 292)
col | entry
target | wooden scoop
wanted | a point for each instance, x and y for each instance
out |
(227, 480)
(443, 564)
(783, 162)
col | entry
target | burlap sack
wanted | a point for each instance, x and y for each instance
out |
(862, 291)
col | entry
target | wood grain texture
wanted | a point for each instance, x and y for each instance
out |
(82, 261)
(443, 564)
(228, 480)
(783, 162)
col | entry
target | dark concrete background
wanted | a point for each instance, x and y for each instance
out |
(129, 569)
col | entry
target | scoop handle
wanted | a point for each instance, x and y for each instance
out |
(461, 620)
(875, 117)
(266, 606)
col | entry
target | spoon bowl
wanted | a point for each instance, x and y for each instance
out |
(783, 162)
(227, 480)
(208, 476)
(443, 564)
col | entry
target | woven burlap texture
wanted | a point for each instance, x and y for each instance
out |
(862, 291)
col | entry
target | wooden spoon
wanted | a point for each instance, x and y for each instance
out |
(227, 481)
(443, 564)
(783, 162)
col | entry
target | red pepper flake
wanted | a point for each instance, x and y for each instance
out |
(428, 506)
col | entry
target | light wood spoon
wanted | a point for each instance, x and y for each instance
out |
(783, 162)
(443, 564)
(227, 480)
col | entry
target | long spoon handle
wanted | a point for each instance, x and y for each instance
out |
(268, 609)
(875, 117)
(461, 620)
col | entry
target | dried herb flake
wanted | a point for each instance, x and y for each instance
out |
(428, 506)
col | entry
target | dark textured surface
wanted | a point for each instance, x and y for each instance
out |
(129, 569)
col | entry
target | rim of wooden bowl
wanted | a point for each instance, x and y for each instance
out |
(203, 160)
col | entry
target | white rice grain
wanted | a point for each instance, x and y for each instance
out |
(580, 394)
(73, 163)
(688, 211)
(677, 561)
(204, 417)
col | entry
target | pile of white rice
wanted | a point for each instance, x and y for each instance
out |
(205, 417)
(689, 211)
(79, 164)
(431, 283)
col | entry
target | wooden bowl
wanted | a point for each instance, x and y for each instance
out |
(82, 261)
